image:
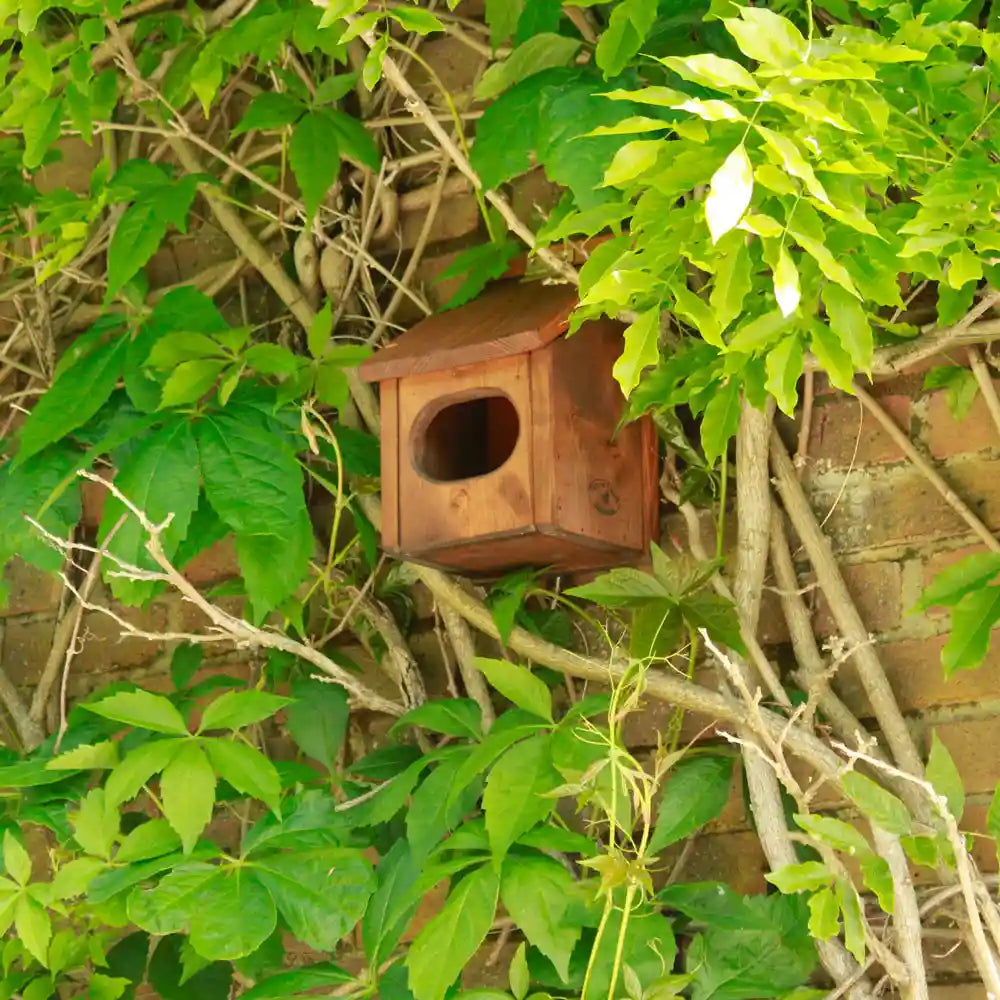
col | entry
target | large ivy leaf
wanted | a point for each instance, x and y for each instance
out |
(269, 582)
(301, 980)
(463, 922)
(695, 792)
(536, 54)
(166, 974)
(251, 476)
(160, 476)
(314, 156)
(246, 769)
(972, 621)
(515, 798)
(460, 717)
(233, 917)
(438, 805)
(317, 719)
(877, 804)
(641, 351)
(78, 392)
(141, 229)
(392, 904)
(187, 792)
(627, 30)
(518, 685)
(321, 894)
(142, 709)
(539, 894)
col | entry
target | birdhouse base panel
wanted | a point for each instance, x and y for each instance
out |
(542, 547)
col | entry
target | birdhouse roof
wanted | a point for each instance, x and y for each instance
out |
(510, 318)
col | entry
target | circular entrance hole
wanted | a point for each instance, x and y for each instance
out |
(466, 439)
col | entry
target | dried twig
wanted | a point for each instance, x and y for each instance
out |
(982, 373)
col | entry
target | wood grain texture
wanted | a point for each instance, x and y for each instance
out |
(389, 447)
(510, 318)
(433, 513)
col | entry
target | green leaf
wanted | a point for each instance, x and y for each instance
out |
(141, 230)
(539, 895)
(301, 980)
(834, 832)
(538, 53)
(77, 393)
(16, 860)
(804, 877)
(141, 709)
(439, 804)
(321, 894)
(371, 71)
(943, 775)
(235, 915)
(849, 322)
(972, 621)
(463, 922)
(317, 719)
(167, 907)
(622, 587)
(236, 709)
(314, 156)
(87, 757)
(622, 39)
(270, 110)
(187, 792)
(320, 330)
(729, 194)
(189, 381)
(41, 126)
(502, 17)
(246, 769)
(518, 685)
(269, 584)
(460, 717)
(479, 265)
(784, 368)
(767, 37)
(633, 160)
(166, 974)
(33, 927)
(353, 138)
(854, 920)
(964, 577)
(642, 350)
(518, 974)
(251, 476)
(696, 791)
(877, 804)
(152, 839)
(656, 630)
(786, 283)
(824, 915)
(393, 904)
(423, 22)
(515, 797)
(877, 876)
(161, 477)
(95, 823)
(712, 71)
(836, 362)
(138, 766)
(717, 615)
(964, 267)
(960, 384)
(720, 420)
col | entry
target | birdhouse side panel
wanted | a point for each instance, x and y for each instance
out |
(465, 465)
(599, 480)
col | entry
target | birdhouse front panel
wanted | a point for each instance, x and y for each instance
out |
(465, 466)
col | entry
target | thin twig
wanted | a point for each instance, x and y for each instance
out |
(982, 372)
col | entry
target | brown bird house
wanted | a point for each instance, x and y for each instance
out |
(498, 439)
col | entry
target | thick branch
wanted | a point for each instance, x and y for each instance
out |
(887, 713)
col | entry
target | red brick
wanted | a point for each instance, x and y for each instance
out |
(900, 507)
(102, 647)
(92, 496)
(914, 669)
(217, 562)
(842, 434)
(31, 590)
(877, 592)
(945, 436)
(734, 858)
(958, 991)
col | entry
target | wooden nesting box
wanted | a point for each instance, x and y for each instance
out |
(498, 439)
